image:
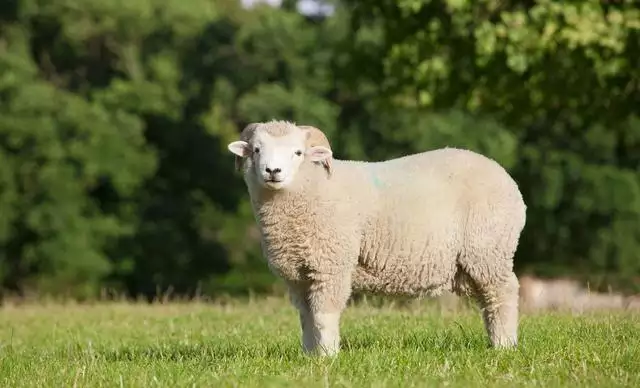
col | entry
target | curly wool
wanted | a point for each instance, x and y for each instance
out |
(442, 220)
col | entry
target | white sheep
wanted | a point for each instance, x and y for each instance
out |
(447, 219)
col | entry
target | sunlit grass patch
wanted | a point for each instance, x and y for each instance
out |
(256, 344)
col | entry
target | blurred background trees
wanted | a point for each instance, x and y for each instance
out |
(115, 115)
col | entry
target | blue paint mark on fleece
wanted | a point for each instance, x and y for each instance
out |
(374, 177)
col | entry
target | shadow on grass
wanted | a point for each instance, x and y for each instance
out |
(450, 340)
(456, 338)
(201, 352)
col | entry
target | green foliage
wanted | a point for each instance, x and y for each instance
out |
(114, 120)
(563, 76)
(141, 98)
(59, 151)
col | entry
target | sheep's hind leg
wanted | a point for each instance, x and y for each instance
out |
(320, 306)
(499, 303)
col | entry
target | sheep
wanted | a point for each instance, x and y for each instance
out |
(442, 220)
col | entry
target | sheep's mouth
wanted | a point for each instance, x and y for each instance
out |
(274, 184)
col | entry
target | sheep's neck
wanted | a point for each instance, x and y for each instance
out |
(294, 203)
(281, 202)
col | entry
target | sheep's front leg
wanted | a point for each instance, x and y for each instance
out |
(299, 300)
(320, 305)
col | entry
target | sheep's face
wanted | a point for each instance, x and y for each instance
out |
(274, 159)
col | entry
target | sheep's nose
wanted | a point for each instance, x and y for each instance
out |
(272, 171)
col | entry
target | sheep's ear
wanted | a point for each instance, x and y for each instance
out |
(318, 153)
(241, 150)
(317, 139)
(321, 154)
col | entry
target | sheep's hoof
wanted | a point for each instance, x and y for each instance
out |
(322, 351)
(504, 344)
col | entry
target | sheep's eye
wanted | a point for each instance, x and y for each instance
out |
(298, 152)
(256, 150)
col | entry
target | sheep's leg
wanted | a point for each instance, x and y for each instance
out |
(299, 301)
(320, 307)
(320, 327)
(325, 333)
(499, 303)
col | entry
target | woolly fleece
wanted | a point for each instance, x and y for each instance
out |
(447, 219)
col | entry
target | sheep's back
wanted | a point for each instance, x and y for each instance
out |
(425, 203)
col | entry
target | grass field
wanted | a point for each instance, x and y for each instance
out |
(255, 344)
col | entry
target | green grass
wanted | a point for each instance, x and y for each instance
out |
(256, 345)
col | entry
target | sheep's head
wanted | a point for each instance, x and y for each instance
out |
(274, 151)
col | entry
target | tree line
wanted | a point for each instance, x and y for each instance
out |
(115, 115)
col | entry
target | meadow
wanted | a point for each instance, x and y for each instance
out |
(254, 343)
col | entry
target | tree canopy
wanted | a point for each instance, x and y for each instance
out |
(114, 120)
